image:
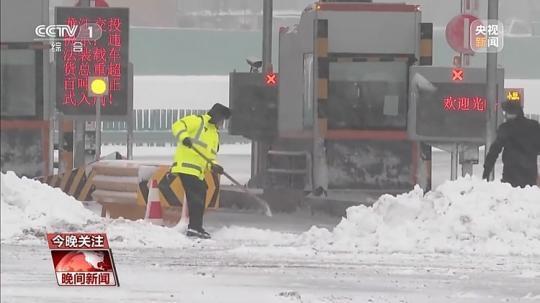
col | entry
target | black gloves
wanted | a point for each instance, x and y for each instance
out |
(187, 142)
(217, 169)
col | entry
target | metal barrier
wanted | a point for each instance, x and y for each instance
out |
(151, 119)
(153, 127)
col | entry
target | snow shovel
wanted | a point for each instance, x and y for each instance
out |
(259, 200)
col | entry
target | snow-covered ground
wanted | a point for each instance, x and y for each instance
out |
(466, 241)
(202, 274)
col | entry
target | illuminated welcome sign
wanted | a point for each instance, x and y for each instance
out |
(449, 105)
(464, 103)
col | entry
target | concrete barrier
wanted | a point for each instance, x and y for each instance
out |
(121, 187)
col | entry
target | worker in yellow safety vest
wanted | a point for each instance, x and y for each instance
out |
(198, 132)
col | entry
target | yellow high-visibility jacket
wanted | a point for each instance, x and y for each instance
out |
(205, 138)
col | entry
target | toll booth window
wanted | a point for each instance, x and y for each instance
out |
(18, 83)
(367, 95)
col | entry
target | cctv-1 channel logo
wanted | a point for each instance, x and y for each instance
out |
(88, 31)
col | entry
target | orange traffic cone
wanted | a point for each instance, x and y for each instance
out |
(153, 207)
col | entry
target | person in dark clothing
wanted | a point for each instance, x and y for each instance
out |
(520, 139)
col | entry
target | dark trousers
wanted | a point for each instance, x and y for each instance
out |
(196, 197)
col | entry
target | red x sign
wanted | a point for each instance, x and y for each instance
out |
(271, 79)
(457, 74)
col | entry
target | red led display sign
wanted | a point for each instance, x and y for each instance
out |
(464, 103)
(452, 111)
(79, 59)
(449, 104)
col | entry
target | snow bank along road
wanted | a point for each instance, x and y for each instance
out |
(466, 241)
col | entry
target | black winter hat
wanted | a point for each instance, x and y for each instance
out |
(220, 110)
(512, 107)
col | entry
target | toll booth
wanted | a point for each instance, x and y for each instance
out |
(342, 105)
(25, 95)
(448, 109)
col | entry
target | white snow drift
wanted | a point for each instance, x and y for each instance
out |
(30, 209)
(467, 216)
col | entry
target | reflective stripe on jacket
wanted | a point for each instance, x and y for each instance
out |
(205, 138)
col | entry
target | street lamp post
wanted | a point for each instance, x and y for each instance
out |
(98, 87)
(491, 87)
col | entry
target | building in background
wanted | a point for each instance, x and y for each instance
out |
(209, 14)
(156, 13)
(160, 13)
(236, 14)
(517, 15)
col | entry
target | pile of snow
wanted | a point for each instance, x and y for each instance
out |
(468, 216)
(30, 209)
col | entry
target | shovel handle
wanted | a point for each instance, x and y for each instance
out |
(210, 162)
(268, 212)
